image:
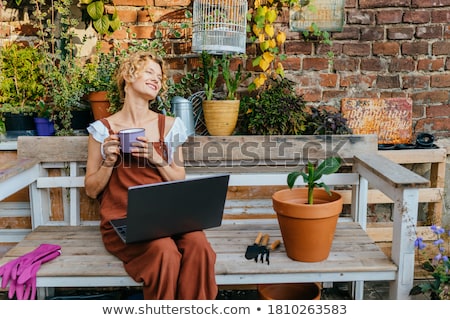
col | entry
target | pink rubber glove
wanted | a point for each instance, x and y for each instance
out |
(26, 264)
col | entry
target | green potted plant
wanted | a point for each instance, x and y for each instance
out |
(21, 87)
(308, 216)
(221, 109)
(273, 109)
(98, 74)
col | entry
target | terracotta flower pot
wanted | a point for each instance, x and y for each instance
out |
(100, 104)
(307, 230)
(289, 291)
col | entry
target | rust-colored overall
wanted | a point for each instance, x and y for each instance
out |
(179, 267)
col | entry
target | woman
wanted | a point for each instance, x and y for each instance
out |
(180, 267)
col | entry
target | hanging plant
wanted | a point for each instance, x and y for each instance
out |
(263, 32)
(95, 11)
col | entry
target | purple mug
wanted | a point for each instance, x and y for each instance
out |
(128, 136)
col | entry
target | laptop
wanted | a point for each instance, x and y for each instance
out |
(174, 207)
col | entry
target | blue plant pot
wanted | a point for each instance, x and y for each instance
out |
(44, 127)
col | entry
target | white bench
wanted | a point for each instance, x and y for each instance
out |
(258, 165)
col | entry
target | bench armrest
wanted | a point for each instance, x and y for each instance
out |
(16, 175)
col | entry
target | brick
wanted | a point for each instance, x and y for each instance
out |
(402, 64)
(440, 80)
(415, 48)
(172, 3)
(347, 33)
(328, 80)
(429, 3)
(5, 30)
(416, 16)
(440, 48)
(429, 32)
(334, 94)
(367, 4)
(440, 16)
(431, 64)
(142, 32)
(372, 34)
(182, 47)
(391, 94)
(373, 64)
(386, 48)
(298, 47)
(364, 81)
(356, 49)
(430, 96)
(400, 33)
(388, 17)
(315, 64)
(388, 82)
(324, 49)
(432, 125)
(310, 94)
(292, 63)
(360, 17)
(127, 15)
(438, 111)
(345, 64)
(135, 3)
(415, 82)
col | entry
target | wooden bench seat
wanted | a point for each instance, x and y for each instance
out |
(85, 263)
(258, 165)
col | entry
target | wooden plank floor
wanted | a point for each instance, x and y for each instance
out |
(354, 256)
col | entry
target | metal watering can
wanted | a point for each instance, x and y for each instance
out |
(182, 108)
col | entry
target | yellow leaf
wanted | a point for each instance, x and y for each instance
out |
(270, 31)
(271, 15)
(267, 56)
(257, 3)
(280, 69)
(281, 38)
(261, 37)
(257, 31)
(264, 64)
(259, 81)
(272, 43)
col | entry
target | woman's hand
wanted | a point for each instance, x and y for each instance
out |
(111, 150)
(145, 149)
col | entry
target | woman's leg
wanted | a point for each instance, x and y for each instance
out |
(197, 280)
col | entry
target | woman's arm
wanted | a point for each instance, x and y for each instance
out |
(98, 170)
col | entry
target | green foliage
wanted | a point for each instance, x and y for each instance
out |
(94, 11)
(65, 83)
(313, 175)
(98, 72)
(213, 66)
(275, 110)
(21, 78)
(210, 70)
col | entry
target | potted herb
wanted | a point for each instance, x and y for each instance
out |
(221, 109)
(21, 86)
(308, 216)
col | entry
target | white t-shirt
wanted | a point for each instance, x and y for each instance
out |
(176, 136)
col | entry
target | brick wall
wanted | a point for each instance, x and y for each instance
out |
(388, 48)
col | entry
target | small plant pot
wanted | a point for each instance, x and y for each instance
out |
(307, 230)
(100, 104)
(44, 127)
(289, 291)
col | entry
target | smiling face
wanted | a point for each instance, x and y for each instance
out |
(142, 73)
(148, 82)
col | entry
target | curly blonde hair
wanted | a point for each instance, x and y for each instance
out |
(132, 65)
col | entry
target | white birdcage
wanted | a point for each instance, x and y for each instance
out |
(219, 26)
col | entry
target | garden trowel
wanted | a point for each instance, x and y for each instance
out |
(253, 250)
